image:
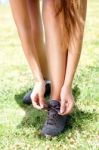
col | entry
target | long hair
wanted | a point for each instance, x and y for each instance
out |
(70, 18)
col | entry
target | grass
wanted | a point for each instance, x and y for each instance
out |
(20, 124)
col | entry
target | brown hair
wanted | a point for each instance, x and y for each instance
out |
(70, 18)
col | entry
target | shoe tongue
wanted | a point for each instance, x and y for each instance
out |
(55, 104)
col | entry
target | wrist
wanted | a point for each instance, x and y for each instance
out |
(69, 79)
(39, 80)
(67, 86)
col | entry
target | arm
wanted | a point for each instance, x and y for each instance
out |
(21, 17)
(75, 50)
(67, 100)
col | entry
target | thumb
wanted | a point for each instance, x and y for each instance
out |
(62, 107)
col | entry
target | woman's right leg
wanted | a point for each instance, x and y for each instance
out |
(37, 32)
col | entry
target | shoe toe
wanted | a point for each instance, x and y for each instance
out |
(27, 99)
(50, 131)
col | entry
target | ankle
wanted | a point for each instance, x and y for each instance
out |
(55, 93)
(55, 97)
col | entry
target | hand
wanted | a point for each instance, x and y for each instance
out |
(37, 95)
(67, 101)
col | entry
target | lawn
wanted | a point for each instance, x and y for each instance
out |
(20, 124)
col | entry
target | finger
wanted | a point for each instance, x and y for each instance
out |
(42, 101)
(65, 107)
(35, 102)
(69, 108)
(62, 108)
(36, 106)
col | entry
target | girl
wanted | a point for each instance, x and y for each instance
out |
(57, 58)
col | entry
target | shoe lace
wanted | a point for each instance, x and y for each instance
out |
(52, 115)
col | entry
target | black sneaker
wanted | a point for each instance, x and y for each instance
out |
(55, 123)
(27, 97)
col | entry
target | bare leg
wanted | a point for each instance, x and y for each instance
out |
(55, 54)
(37, 32)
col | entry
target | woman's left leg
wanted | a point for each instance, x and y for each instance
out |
(56, 55)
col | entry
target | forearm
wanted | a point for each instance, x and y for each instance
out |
(35, 66)
(72, 62)
(30, 51)
(75, 49)
(31, 55)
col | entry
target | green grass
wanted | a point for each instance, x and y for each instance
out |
(20, 124)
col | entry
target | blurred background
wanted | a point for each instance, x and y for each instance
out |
(3, 1)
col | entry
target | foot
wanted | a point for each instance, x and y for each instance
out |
(54, 123)
(27, 97)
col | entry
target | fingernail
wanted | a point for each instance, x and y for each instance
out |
(61, 111)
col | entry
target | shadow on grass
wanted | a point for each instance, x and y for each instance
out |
(34, 118)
